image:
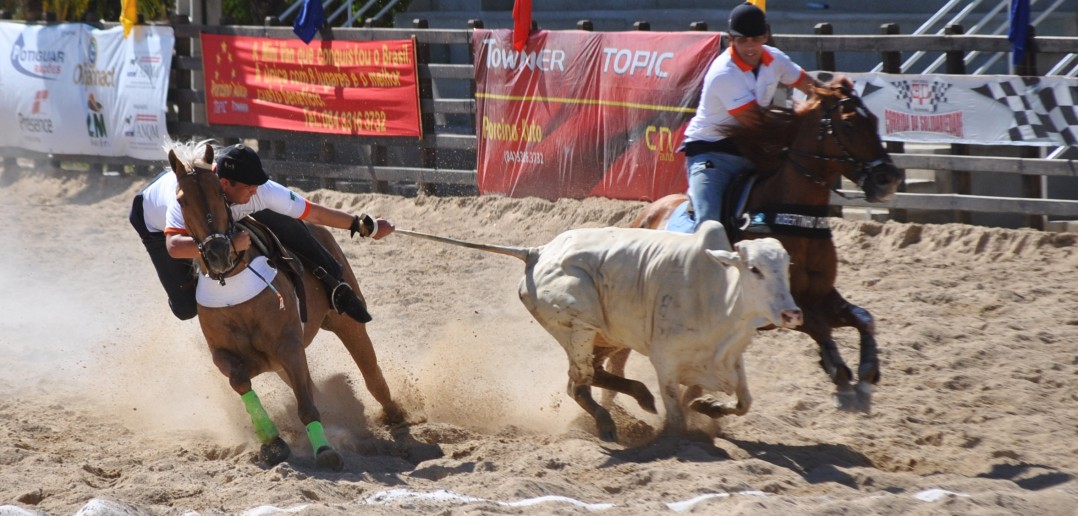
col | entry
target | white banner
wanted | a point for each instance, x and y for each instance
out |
(979, 109)
(73, 89)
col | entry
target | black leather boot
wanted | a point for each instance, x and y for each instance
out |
(345, 301)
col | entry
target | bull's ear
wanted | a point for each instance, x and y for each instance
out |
(729, 258)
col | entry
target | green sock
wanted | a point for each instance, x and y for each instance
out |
(317, 434)
(264, 428)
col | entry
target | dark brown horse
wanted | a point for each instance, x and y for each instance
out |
(265, 333)
(800, 156)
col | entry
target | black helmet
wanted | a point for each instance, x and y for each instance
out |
(747, 20)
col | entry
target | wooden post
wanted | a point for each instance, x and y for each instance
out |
(428, 156)
(961, 181)
(825, 60)
(1032, 185)
(892, 63)
(642, 26)
(182, 79)
(700, 26)
(585, 25)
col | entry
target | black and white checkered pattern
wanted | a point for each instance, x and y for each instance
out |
(938, 93)
(1041, 112)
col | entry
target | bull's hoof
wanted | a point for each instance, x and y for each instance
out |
(328, 459)
(275, 452)
(715, 409)
(869, 372)
(605, 424)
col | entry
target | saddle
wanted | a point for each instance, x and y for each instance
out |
(775, 219)
(282, 258)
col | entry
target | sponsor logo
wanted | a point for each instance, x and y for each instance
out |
(95, 118)
(39, 97)
(32, 62)
(523, 157)
(949, 124)
(142, 126)
(660, 140)
(922, 95)
(545, 60)
(623, 61)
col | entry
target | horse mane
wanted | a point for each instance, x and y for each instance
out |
(191, 152)
(766, 145)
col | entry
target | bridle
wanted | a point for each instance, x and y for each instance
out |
(196, 173)
(827, 127)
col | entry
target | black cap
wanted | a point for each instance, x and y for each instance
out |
(240, 163)
(747, 20)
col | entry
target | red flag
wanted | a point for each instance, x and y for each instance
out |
(522, 23)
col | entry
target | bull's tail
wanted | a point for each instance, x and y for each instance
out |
(521, 253)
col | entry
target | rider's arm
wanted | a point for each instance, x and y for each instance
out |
(181, 246)
(334, 218)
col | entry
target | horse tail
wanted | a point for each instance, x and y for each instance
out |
(521, 253)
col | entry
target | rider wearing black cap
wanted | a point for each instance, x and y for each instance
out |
(249, 191)
(740, 83)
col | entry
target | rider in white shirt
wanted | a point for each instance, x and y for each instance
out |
(740, 83)
(249, 191)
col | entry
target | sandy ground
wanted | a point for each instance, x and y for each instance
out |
(108, 405)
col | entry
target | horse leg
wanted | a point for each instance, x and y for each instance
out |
(618, 383)
(294, 362)
(274, 450)
(615, 365)
(358, 343)
(819, 328)
(580, 347)
(868, 370)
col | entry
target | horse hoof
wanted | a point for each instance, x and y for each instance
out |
(327, 458)
(869, 372)
(864, 396)
(607, 430)
(845, 398)
(275, 452)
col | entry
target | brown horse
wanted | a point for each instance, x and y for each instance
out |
(266, 333)
(800, 155)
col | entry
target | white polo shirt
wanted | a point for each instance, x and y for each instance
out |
(730, 86)
(270, 195)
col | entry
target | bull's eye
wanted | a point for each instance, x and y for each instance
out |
(756, 270)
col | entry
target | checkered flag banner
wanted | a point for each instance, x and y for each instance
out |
(1041, 111)
(977, 109)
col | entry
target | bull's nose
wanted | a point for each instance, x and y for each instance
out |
(791, 318)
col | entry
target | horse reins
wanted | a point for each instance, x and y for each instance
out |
(198, 169)
(827, 127)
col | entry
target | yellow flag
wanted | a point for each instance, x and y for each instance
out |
(762, 4)
(128, 15)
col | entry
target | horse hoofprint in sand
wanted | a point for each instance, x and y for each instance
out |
(689, 302)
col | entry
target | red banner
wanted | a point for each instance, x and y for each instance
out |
(364, 88)
(579, 114)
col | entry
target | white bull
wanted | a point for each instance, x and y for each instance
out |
(689, 302)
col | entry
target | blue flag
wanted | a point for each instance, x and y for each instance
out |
(310, 19)
(1018, 34)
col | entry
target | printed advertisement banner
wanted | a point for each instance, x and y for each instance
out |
(579, 114)
(982, 109)
(70, 88)
(364, 88)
